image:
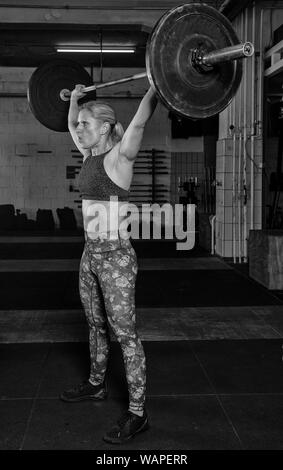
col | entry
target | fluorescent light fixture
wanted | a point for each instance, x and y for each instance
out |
(79, 50)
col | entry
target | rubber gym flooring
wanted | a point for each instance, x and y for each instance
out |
(212, 337)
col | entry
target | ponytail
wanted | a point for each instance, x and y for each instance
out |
(117, 132)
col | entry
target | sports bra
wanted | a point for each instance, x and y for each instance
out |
(95, 184)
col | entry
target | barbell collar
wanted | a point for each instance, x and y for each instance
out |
(239, 51)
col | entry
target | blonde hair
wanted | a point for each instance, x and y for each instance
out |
(104, 112)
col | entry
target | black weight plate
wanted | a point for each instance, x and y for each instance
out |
(184, 89)
(44, 89)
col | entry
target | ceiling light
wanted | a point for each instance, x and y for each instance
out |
(113, 51)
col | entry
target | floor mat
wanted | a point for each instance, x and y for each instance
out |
(153, 289)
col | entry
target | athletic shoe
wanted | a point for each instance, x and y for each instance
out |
(127, 427)
(84, 391)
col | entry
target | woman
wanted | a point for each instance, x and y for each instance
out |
(108, 266)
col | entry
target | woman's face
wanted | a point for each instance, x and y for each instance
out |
(89, 129)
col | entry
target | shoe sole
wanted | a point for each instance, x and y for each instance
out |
(87, 397)
(144, 427)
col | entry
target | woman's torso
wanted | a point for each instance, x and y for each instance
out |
(106, 216)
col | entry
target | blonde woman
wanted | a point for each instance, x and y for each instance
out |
(108, 266)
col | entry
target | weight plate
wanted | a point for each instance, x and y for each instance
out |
(44, 89)
(182, 87)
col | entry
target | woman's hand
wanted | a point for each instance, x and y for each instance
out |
(77, 92)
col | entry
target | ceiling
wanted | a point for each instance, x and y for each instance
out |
(38, 44)
(32, 44)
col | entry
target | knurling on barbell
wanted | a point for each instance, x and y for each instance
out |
(190, 62)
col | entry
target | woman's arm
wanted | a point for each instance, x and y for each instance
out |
(73, 117)
(131, 141)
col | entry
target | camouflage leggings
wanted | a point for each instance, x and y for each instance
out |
(108, 272)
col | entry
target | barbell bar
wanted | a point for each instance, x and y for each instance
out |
(193, 62)
(65, 94)
(239, 51)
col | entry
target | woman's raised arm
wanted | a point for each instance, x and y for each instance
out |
(73, 117)
(132, 139)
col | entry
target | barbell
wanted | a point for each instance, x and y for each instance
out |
(193, 62)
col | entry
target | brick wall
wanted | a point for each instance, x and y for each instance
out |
(32, 158)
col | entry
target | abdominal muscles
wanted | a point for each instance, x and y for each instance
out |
(103, 216)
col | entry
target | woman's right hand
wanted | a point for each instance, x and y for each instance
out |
(77, 92)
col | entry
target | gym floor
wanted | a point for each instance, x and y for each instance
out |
(212, 337)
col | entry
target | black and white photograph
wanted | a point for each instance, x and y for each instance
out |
(141, 230)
